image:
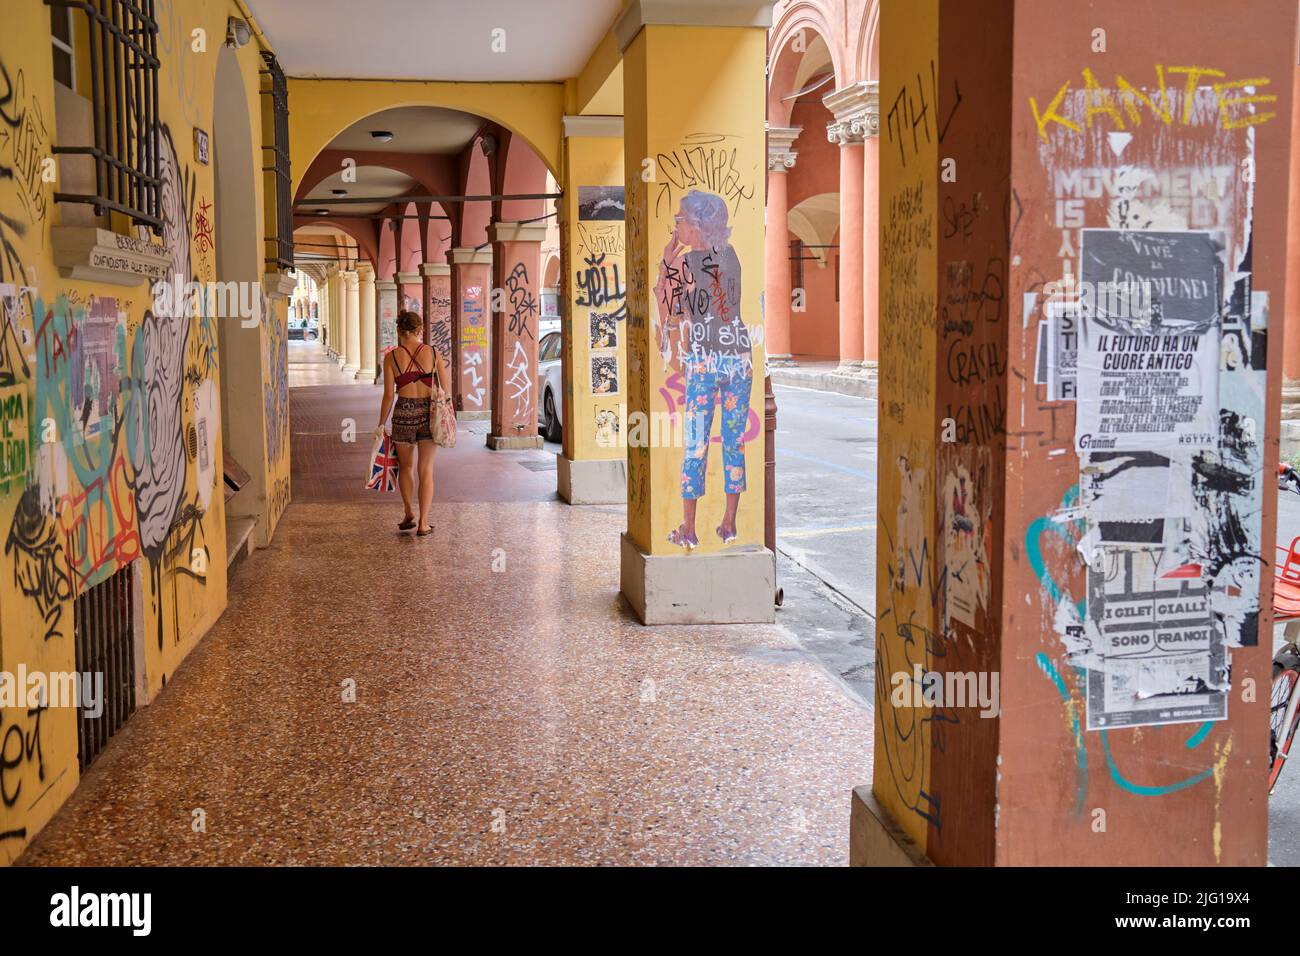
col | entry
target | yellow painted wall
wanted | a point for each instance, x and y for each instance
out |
(125, 484)
(693, 101)
(905, 568)
(594, 266)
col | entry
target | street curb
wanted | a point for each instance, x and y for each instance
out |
(859, 386)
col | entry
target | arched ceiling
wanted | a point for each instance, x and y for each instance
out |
(378, 181)
(415, 129)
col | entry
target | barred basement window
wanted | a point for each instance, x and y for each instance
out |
(275, 131)
(104, 648)
(123, 47)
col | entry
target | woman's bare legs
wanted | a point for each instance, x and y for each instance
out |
(405, 476)
(727, 530)
(427, 449)
(684, 536)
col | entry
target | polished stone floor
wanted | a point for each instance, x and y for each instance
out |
(508, 708)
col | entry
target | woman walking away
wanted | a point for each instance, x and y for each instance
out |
(408, 386)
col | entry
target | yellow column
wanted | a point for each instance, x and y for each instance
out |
(352, 324)
(694, 100)
(590, 409)
(366, 299)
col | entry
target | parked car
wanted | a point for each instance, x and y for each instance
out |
(306, 329)
(550, 387)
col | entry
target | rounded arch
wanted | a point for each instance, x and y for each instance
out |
(551, 273)
(522, 173)
(797, 21)
(322, 109)
(868, 51)
(475, 216)
(354, 229)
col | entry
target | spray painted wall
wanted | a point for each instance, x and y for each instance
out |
(110, 398)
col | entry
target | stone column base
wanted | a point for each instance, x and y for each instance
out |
(473, 416)
(850, 367)
(780, 361)
(875, 839)
(350, 371)
(367, 376)
(514, 442)
(728, 587)
(601, 482)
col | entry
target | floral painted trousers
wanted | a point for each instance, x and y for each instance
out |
(726, 381)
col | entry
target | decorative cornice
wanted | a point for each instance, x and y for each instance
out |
(435, 269)
(408, 278)
(517, 232)
(467, 255)
(689, 13)
(609, 127)
(856, 109)
(780, 156)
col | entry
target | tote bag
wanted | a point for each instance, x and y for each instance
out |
(442, 416)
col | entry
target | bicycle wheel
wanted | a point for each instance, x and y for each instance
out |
(1285, 680)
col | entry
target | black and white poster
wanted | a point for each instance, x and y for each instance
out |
(1148, 358)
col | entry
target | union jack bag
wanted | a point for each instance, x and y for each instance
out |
(383, 464)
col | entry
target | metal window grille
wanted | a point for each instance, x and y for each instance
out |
(275, 132)
(104, 629)
(123, 44)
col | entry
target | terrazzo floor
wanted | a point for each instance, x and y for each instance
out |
(511, 716)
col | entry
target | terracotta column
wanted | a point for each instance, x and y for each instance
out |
(850, 107)
(352, 318)
(1074, 632)
(366, 322)
(386, 317)
(471, 282)
(871, 234)
(437, 308)
(516, 282)
(776, 276)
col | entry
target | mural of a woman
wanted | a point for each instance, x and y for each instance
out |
(701, 335)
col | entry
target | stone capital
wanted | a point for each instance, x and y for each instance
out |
(598, 126)
(435, 269)
(466, 255)
(517, 232)
(780, 139)
(349, 278)
(856, 109)
(408, 278)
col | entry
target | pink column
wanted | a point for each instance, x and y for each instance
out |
(776, 273)
(851, 320)
(516, 307)
(437, 307)
(471, 283)
(857, 113)
(871, 250)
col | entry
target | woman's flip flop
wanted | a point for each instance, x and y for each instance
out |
(406, 524)
(426, 531)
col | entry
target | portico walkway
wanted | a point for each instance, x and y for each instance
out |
(510, 716)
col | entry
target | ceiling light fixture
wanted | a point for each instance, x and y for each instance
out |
(322, 212)
(339, 192)
(382, 135)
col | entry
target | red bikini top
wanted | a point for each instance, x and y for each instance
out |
(414, 372)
